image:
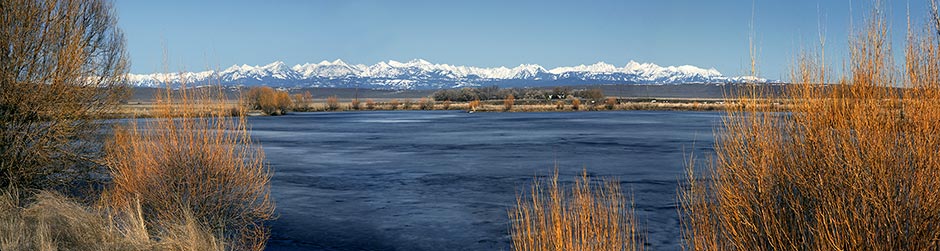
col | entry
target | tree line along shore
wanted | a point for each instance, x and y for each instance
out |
(271, 101)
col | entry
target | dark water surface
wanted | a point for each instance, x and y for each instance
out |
(444, 180)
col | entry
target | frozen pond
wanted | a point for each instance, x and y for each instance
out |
(444, 180)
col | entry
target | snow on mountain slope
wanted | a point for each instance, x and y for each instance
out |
(421, 74)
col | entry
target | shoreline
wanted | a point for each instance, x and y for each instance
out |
(143, 109)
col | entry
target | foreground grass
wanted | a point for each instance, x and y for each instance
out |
(54, 222)
(854, 166)
(195, 160)
(590, 215)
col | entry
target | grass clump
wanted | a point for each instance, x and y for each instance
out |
(446, 105)
(332, 103)
(426, 104)
(407, 104)
(53, 222)
(508, 102)
(473, 105)
(610, 103)
(854, 166)
(575, 104)
(589, 215)
(185, 162)
(355, 104)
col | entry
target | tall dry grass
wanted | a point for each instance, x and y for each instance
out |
(589, 215)
(186, 162)
(54, 222)
(853, 166)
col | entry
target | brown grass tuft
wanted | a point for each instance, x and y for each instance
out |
(508, 102)
(559, 105)
(355, 105)
(53, 222)
(332, 103)
(474, 105)
(189, 162)
(446, 105)
(610, 103)
(590, 215)
(426, 104)
(407, 104)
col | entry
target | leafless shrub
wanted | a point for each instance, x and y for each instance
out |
(407, 104)
(426, 104)
(332, 103)
(610, 103)
(61, 64)
(269, 100)
(508, 102)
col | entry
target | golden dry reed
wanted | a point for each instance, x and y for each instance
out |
(590, 215)
(53, 222)
(855, 165)
(193, 158)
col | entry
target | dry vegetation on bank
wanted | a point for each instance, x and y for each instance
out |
(189, 179)
(588, 215)
(855, 166)
(188, 162)
(269, 101)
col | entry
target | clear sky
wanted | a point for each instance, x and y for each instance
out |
(709, 34)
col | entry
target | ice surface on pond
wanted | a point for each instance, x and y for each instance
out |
(444, 180)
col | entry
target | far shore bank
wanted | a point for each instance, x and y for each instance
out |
(140, 109)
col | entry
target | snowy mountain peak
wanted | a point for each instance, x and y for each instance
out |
(419, 61)
(421, 74)
(276, 64)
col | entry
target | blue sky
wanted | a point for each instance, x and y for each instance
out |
(711, 34)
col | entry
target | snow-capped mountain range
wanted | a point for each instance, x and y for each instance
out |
(421, 74)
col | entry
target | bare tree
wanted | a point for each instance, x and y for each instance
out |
(61, 63)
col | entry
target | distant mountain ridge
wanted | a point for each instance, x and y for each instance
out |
(421, 74)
